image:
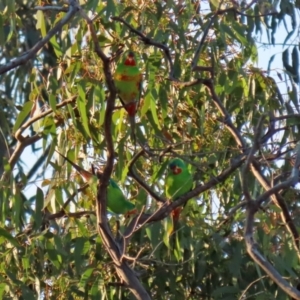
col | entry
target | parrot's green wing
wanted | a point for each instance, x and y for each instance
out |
(116, 202)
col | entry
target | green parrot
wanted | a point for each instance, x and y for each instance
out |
(128, 81)
(116, 201)
(179, 181)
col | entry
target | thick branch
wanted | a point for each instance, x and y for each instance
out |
(165, 210)
(259, 258)
(285, 216)
(125, 273)
(278, 201)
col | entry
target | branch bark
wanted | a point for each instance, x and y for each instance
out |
(125, 273)
(253, 206)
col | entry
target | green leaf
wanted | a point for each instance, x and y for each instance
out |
(54, 256)
(81, 103)
(85, 277)
(234, 34)
(23, 115)
(41, 22)
(57, 49)
(154, 234)
(6, 236)
(153, 110)
(39, 204)
(2, 289)
(225, 290)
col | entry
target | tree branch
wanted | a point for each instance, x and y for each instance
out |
(143, 184)
(18, 134)
(195, 66)
(165, 210)
(52, 7)
(73, 8)
(259, 258)
(250, 158)
(278, 201)
(149, 41)
(252, 207)
(227, 118)
(125, 273)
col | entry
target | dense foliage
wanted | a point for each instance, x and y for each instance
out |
(204, 99)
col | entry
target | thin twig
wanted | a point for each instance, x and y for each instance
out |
(195, 66)
(249, 286)
(227, 118)
(279, 201)
(231, 213)
(149, 41)
(63, 213)
(143, 184)
(51, 7)
(249, 159)
(166, 209)
(18, 133)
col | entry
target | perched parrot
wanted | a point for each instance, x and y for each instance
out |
(178, 182)
(116, 202)
(128, 81)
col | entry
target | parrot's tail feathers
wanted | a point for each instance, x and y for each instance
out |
(176, 214)
(85, 174)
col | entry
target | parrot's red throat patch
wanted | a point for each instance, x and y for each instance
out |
(176, 170)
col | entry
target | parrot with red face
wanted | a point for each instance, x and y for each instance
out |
(179, 181)
(128, 81)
